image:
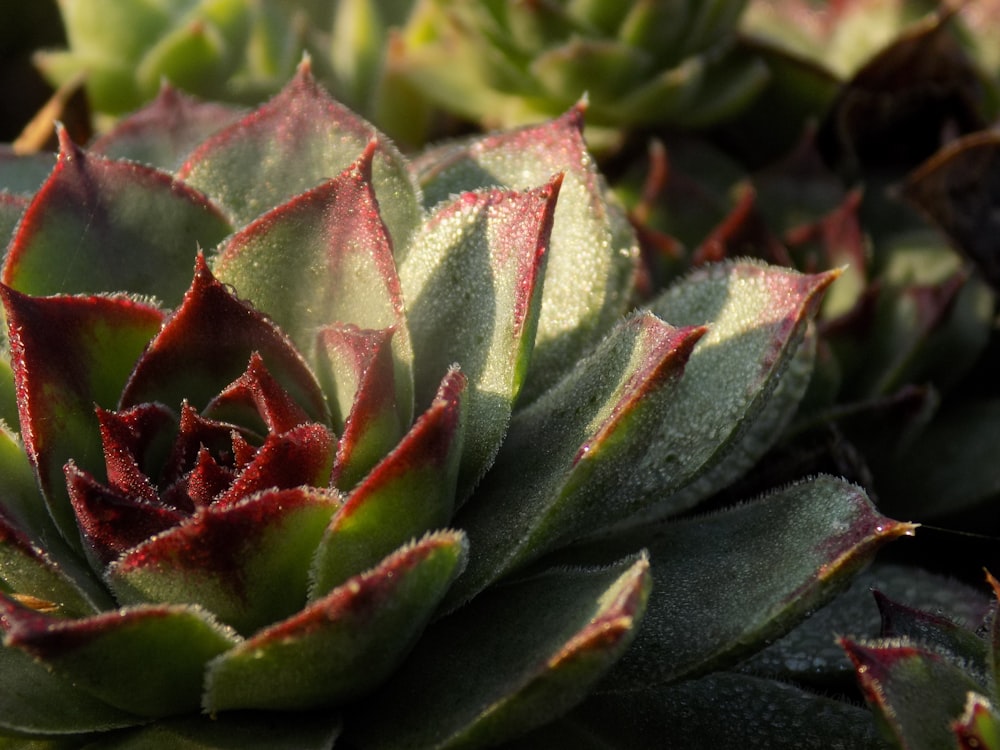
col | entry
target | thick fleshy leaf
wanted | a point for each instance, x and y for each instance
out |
(256, 396)
(809, 654)
(344, 644)
(916, 693)
(12, 207)
(934, 631)
(32, 577)
(956, 189)
(741, 385)
(300, 138)
(592, 252)
(515, 658)
(593, 425)
(246, 563)
(23, 174)
(149, 661)
(69, 353)
(410, 492)
(494, 243)
(165, 131)
(324, 257)
(103, 226)
(206, 344)
(111, 521)
(720, 710)
(360, 382)
(240, 732)
(978, 728)
(715, 598)
(33, 701)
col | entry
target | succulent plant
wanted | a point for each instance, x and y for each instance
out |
(930, 677)
(397, 468)
(639, 63)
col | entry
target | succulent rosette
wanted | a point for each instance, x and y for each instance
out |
(639, 63)
(395, 468)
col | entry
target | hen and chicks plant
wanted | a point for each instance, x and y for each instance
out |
(398, 466)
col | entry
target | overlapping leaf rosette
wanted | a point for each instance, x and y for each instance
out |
(392, 469)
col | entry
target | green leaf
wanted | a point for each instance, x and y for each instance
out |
(105, 226)
(360, 383)
(716, 598)
(240, 732)
(202, 50)
(12, 207)
(149, 661)
(592, 251)
(560, 472)
(30, 575)
(915, 693)
(300, 138)
(344, 644)
(513, 659)
(22, 174)
(206, 344)
(720, 710)
(473, 282)
(246, 563)
(68, 354)
(809, 654)
(37, 560)
(325, 258)
(410, 492)
(34, 701)
(741, 385)
(165, 131)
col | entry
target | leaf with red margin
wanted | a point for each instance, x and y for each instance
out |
(149, 661)
(133, 440)
(206, 344)
(410, 492)
(344, 644)
(290, 144)
(166, 130)
(517, 657)
(246, 563)
(933, 630)
(303, 456)
(111, 521)
(256, 396)
(742, 383)
(716, 598)
(593, 254)
(324, 258)
(473, 283)
(360, 382)
(32, 577)
(69, 353)
(104, 226)
(978, 728)
(559, 471)
(916, 693)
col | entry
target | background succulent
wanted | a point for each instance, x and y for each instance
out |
(639, 63)
(395, 467)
